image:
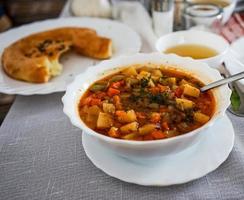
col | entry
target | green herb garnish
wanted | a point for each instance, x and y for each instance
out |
(144, 82)
(160, 98)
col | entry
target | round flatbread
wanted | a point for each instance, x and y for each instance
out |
(35, 58)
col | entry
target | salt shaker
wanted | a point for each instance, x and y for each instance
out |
(163, 16)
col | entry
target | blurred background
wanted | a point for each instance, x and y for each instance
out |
(17, 12)
(25, 11)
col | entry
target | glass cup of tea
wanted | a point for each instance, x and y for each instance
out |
(203, 16)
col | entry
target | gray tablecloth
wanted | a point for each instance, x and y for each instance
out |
(41, 157)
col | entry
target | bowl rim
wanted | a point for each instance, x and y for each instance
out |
(185, 32)
(76, 120)
(231, 2)
(187, 13)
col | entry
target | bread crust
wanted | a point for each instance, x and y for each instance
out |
(31, 58)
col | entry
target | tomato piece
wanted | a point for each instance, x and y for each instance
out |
(113, 132)
(162, 88)
(158, 134)
(86, 101)
(178, 92)
(116, 99)
(155, 118)
(163, 109)
(111, 92)
(117, 102)
(120, 112)
(148, 137)
(140, 115)
(165, 126)
(117, 84)
(101, 95)
(95, 101)
(154, 90)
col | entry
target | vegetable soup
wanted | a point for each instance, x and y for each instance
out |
(145, 103)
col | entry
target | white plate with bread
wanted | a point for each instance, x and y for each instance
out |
(31, 61)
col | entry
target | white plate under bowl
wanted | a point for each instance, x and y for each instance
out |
(191, 164)
(125, 42)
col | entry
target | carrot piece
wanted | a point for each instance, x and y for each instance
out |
(155, 118)
(158, 134)
(165, 126)
(119, 106)
(117, 102)
(178, 92)
(116, 99)
(95, 101)
(120, 112)
(159, 88)
(154, 90)
(113, 132)
(86, 101)
(164, 109)
(140, 115)
(100, 95)
(162, 88)
(117, 84)
(111, 92)
(148, 137)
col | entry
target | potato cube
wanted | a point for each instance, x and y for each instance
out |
(131, 115)
(191, 91)
(201, 118)
(130, 136)
(131, 71)
(151, 83)
(108, 108)
(155, 78)
(85, 109)
(92, 113)
(126, 117)
(157, 73)
(113, 132)
(184, 104)
(94, 110)
(104, 121)
(131, 127)
(143, 74)
(146, 129)
(91, 118)
(183, 82)
(171, 81)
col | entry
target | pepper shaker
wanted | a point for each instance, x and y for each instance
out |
(163, 16)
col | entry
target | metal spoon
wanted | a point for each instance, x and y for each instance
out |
(215, 84)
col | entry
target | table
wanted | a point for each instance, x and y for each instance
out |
(41, 157)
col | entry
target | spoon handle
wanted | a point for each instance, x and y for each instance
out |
(222, 82)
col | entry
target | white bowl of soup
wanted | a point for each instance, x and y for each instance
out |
(147, 105)
(200, 45)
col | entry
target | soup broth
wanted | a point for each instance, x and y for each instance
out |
(192, 50)
(145, 103)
